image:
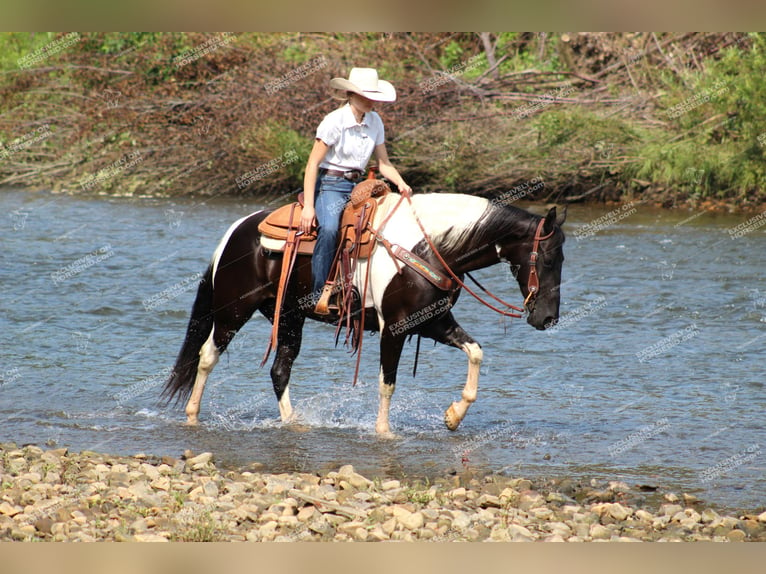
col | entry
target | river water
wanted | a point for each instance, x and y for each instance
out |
(655, 375)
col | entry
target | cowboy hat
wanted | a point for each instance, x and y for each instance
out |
(365, 82)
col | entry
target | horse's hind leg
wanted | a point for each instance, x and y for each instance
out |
(447, 331)
(288, 346)
(227, 323)
(208, 358)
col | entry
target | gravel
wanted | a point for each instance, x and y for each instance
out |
(57, 495)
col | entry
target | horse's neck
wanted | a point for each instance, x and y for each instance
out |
(483, 235)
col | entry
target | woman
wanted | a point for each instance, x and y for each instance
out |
(345, 140)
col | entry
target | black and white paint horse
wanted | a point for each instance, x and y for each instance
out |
(469, 232)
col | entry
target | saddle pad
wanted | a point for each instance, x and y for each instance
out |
(270, 244)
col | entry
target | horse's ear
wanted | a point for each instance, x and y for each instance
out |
(562, 218)
(550, 220)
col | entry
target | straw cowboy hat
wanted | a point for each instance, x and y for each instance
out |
(365, 82)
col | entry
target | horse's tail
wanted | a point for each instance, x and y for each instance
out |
(181, 380)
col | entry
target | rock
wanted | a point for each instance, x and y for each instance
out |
(690, 499)
(558, 498)
(709, 515)
(460, 520)
(149, 537)
(752, 528)
(44, 525)
(307, 513)
(736, 536)
(199, 461)
(618, 486)
(139, 525)
(619, 512)
(411, 521)
(457, 493)
(520, 484)
(600, 532)
(644, 515)
(520, 533)
(210, 489)
(8, 509)
(489, 501)
(670, 509)
(500, 534)
(762, 517)
(268, 531)
(320, 525)
(530, 499)
(390, 485)
(671, 497)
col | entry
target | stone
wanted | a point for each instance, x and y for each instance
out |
(411, 521)
(600, 532)
(709, 515)
(9, 509)
(307, 513)
(736, 536)
(149, 537)
(644, 516)
(762, 517)
(558, 498)
(500, 534)
(670, 509)
(200, 460)
(752, 528)
(460, 520)
(619, 512)
(390, 485)
(530, 499)
(520, 484)
(388, 526)
(519, 533)
(489, 501)
(210, 489)
(44, 525)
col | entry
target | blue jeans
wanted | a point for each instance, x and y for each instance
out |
(331, 196)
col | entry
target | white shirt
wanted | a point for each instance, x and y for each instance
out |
(351, 144)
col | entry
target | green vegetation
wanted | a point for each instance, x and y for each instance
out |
(669, 118)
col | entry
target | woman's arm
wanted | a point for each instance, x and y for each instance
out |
(309, 184)
(388, 170)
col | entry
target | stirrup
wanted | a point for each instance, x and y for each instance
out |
(323, 305)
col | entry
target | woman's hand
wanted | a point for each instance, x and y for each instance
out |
(308, 216)
(388, 171)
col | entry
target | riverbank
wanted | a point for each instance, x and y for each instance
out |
(56, 495)
(671, 118)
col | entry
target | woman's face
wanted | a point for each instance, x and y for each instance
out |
(361, 103)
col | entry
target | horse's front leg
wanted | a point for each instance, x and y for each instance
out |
(391, 345)
(288, 346)
(447, 331)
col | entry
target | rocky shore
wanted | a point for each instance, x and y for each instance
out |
(56, 495)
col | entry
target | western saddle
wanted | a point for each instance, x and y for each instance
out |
(357, 239)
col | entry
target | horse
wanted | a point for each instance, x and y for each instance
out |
(459, 231)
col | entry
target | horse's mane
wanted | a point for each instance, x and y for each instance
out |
(476, 230)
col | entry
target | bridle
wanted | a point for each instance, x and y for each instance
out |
(533, 282)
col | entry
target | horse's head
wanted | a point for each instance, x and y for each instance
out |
(536, 263)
